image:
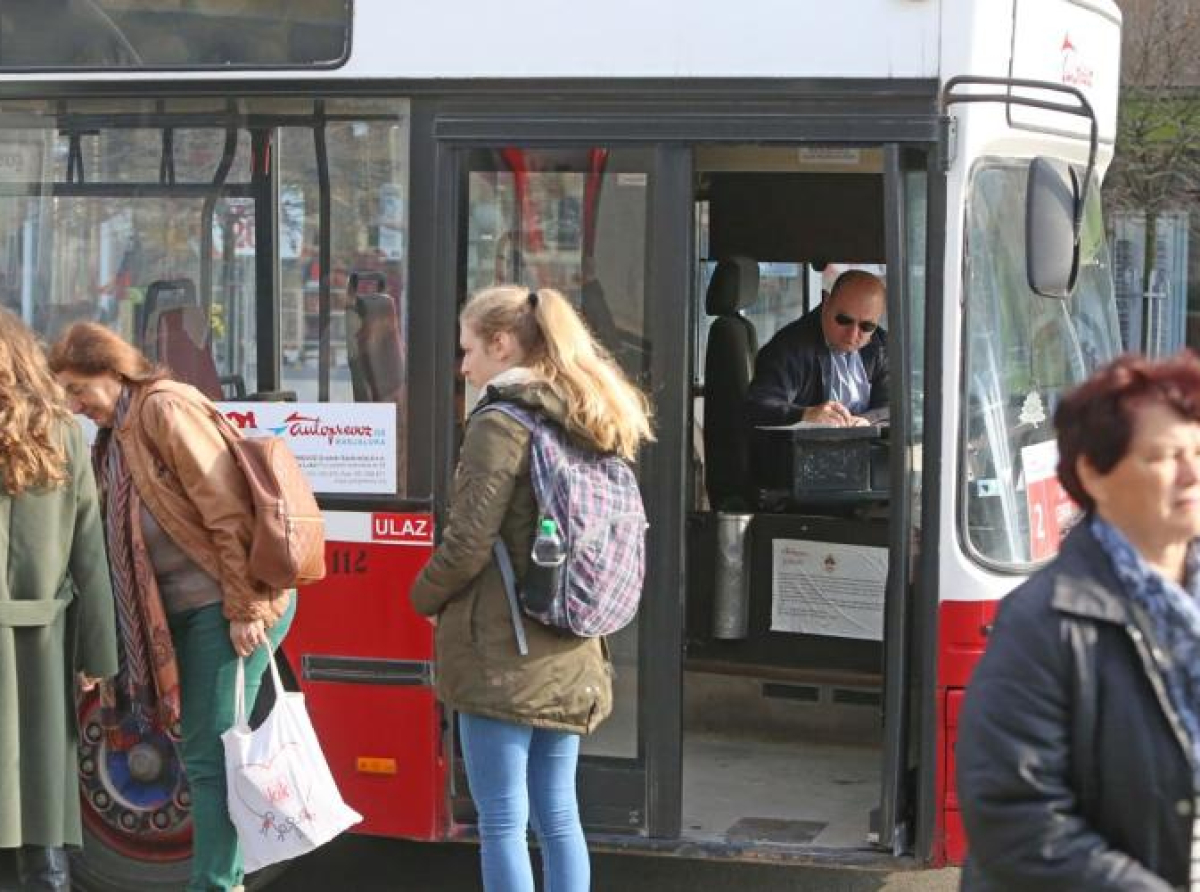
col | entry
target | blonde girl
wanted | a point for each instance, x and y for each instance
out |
(560, 350)
(521, 716)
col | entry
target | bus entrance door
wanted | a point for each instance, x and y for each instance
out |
(578, 220)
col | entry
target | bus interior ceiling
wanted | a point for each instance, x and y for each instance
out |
(782, 732)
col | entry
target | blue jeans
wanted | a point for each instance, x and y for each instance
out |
(511, 768)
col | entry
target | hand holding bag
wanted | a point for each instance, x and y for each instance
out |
(282, 798)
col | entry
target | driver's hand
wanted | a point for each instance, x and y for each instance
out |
(831, 413)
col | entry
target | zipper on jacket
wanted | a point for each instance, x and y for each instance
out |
(1154, 673)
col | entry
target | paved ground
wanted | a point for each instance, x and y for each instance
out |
(364, 864)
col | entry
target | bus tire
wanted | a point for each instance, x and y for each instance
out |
(100, 868)
(136, 809)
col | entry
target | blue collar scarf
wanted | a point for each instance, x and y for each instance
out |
(1174, 616)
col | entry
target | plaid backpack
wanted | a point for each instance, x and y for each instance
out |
(594, 500)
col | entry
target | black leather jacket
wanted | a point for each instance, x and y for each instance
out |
(1074, 771)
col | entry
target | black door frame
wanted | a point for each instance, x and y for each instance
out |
(897, 792)
(638, 794)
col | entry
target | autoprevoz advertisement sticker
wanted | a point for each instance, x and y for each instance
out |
(342, 447)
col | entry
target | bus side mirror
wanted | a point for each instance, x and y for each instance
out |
(1051, 243)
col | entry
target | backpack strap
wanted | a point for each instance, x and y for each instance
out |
(170, 386)
(499, 549)
(504, 562)
(527, 417)
(539, 425)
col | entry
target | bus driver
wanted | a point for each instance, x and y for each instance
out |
(828, 367)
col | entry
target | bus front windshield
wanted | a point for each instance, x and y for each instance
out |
(1022, 353)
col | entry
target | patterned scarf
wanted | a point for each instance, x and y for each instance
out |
(1174, 614)
(145, 693)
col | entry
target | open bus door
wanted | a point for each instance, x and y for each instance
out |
(697, 752)
(577, 219)
(802, 601)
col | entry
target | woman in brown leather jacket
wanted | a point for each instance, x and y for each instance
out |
(178, 522)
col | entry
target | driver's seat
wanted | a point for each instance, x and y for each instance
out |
(728, 368)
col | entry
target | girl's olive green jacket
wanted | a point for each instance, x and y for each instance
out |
(56, 619)
(564, 683)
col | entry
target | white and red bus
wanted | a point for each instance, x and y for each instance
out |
(288, 201)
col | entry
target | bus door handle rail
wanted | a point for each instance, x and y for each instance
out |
(1082, 108)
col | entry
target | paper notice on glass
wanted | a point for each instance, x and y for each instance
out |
(819, 588)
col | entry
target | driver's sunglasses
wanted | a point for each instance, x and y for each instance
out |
(865, 326)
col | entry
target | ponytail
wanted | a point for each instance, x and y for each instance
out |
(602, 404)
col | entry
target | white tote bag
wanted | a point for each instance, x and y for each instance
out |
(282, 798)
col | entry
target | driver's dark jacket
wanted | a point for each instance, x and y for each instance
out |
(789, 376)
(1074, 771)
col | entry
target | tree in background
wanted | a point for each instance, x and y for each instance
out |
(1157, 163)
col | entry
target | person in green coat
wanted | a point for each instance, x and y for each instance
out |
(57, 627)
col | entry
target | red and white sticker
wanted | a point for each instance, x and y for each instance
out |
(380, 527)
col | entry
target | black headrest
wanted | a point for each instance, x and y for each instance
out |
(734, 284)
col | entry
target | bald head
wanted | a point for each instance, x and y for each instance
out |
(851, 313)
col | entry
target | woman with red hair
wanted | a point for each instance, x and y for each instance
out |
(1079, 741)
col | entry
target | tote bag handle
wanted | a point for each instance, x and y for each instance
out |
(239, 694)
